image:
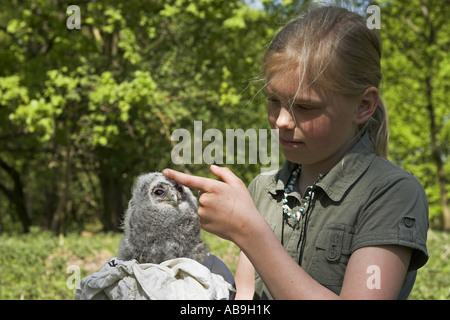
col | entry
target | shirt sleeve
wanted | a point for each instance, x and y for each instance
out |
(251, 187)
(255, 190)
(396, 214)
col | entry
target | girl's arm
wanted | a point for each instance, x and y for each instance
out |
(285, 279)
(227, 210)
(244, 278)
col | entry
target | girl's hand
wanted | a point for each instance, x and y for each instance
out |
(226, 208)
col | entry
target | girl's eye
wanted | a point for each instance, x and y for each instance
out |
(303, 108)
(273, 100)
(159, 192)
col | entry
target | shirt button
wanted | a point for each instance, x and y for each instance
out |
(332, 254)
(408, 222)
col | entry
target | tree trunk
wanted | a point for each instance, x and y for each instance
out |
(444, 203)
(111, 188)
(112, 203)
(437, 156)
(16, 195)
(59, 216)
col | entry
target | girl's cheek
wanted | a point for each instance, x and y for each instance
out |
(315, 129)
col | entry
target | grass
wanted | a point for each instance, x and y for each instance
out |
(433, 280)
(35, 265)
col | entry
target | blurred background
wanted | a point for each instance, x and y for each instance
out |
(84, 111)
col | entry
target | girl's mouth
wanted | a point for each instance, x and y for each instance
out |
(290, 143)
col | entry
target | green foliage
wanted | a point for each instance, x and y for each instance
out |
(416, 46)
(432, 280)
(24, 274)
(35, 265)
(83, 112)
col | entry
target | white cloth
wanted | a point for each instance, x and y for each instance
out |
(175, 279)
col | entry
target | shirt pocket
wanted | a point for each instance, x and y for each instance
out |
(331, 255)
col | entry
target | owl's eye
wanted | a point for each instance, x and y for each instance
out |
(159, 192)
(179, 188)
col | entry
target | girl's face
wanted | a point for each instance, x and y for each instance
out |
(313, 129)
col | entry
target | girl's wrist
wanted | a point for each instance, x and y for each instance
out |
(252, 233)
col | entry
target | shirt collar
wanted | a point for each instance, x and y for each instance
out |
(343, 175)
(340, 178)
(280, 180)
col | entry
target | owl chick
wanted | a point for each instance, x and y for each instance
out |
(161, 222)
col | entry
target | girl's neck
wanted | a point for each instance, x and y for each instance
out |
(308, 178)
(311, 172)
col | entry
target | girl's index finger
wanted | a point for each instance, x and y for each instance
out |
(194, 182)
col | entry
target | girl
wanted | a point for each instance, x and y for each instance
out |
(338, 221)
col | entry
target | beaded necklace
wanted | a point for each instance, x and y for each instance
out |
(304, 202)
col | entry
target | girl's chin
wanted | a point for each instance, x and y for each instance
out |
(293, 155)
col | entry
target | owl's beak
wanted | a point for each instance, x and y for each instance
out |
(175, 199)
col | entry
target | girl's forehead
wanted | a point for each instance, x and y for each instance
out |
(288, 86)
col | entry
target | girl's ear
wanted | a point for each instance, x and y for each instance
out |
(367, 106)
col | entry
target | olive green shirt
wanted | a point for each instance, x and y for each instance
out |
(364, 200)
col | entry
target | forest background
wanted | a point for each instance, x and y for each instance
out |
(84, 111)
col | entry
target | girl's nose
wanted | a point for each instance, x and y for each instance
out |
(285, 119)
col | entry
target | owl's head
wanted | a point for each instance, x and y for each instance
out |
(161, 222)
(156, 190)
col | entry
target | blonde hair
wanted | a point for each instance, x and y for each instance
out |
(335, 51)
